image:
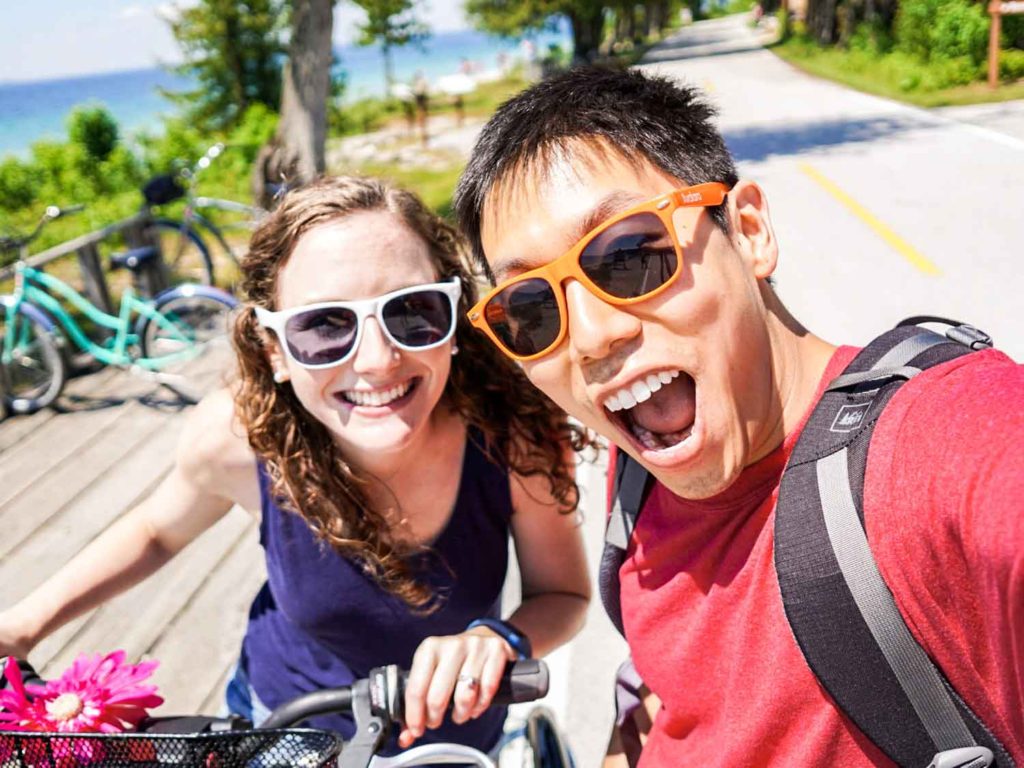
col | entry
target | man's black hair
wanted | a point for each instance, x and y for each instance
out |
(642, 117)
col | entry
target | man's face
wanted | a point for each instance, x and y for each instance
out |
(695, 360)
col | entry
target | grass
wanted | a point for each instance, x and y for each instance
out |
(892, 75)
(372, 114)
(435, 186)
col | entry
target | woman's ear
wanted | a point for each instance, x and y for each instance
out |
(752, 231)
(275, 356)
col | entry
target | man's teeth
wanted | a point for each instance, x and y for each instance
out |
(376, 397)
(639, 391)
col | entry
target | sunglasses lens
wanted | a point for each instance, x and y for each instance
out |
(631, 258)
(419, 319)
(321, 336)
(525, 317)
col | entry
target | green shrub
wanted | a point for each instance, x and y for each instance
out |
(94, 129)
(947, 29)
(871, 39)
(913, 25)
(180, 141)
(961, 30)
(17, 184)
(360, 116)
(255, 129)
(1011, 64)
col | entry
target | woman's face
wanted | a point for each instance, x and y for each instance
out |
(380, 398)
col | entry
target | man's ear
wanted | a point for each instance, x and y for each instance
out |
(752, 231)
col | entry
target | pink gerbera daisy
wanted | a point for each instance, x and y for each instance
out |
(96, 694)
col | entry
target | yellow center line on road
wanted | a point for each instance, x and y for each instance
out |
(902, 247)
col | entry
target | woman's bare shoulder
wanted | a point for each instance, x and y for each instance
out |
(213, 449)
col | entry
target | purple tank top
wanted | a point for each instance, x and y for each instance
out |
(320, 622)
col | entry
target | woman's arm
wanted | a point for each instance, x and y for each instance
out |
(556, 591)
(195, 494)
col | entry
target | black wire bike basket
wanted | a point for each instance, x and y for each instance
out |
(286, 748)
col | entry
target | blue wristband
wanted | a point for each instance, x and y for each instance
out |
(520, 643)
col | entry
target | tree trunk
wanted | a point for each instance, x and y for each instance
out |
(821, 21)
(389, 70)
(586, 33)
(296, 153)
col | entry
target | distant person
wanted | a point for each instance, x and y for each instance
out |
(632, 272)
(528, 55)
(504, 62)
(389, 453)
(421, 95)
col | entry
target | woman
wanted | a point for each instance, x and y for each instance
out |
(390, 452)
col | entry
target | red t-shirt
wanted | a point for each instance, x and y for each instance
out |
(944, 508)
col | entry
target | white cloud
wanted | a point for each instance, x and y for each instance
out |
(133, 12)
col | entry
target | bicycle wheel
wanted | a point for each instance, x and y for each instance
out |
(33, 369)
(547, 747)
(190, 349)
(184, 252)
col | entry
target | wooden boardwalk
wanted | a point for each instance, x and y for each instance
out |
(66, 474)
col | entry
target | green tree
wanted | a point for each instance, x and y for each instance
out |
(514, 18)
(94, 129)
(390, 24)
(233, 51)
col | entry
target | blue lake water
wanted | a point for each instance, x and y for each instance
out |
(35, 110)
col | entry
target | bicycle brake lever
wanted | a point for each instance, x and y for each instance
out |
(371, 726)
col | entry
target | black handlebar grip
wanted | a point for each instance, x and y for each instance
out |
(523, 681)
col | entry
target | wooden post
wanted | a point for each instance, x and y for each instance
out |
(94, 280)
(993, 44)
(154, 278)
(3, 398)
(997, 9)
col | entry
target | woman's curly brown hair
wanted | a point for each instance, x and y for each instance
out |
(523, 430)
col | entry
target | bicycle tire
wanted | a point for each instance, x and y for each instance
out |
(35, 379)
(548, 748)
(201, 320)
(185, 253)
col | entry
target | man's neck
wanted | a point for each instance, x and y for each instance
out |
(799, 360)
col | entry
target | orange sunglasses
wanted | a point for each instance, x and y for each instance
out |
(631, 257)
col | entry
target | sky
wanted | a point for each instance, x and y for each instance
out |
(45, 39)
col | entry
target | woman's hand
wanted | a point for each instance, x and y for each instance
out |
(464, 669)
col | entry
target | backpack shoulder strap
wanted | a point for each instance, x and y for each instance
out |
(841, 611)
(630, 484)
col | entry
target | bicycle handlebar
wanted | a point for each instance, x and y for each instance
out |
(522, 681)
(50, 213)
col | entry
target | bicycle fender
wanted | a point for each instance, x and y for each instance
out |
(33, 312)
(187, 290)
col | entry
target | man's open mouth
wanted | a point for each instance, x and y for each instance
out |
(657, 410)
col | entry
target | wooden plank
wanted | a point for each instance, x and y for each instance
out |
(63, 485)
(103, 502)
(214, 623)
(214, 703)
(18, 429)
(59, 440)
(136, 620)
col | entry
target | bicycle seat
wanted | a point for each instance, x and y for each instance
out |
(162, 189)
(134, 259)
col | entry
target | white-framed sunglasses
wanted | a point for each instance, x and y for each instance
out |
(326, 334)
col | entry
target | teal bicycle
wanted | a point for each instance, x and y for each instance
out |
(178, 338)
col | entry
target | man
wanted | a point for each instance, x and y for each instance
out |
(632, 269)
